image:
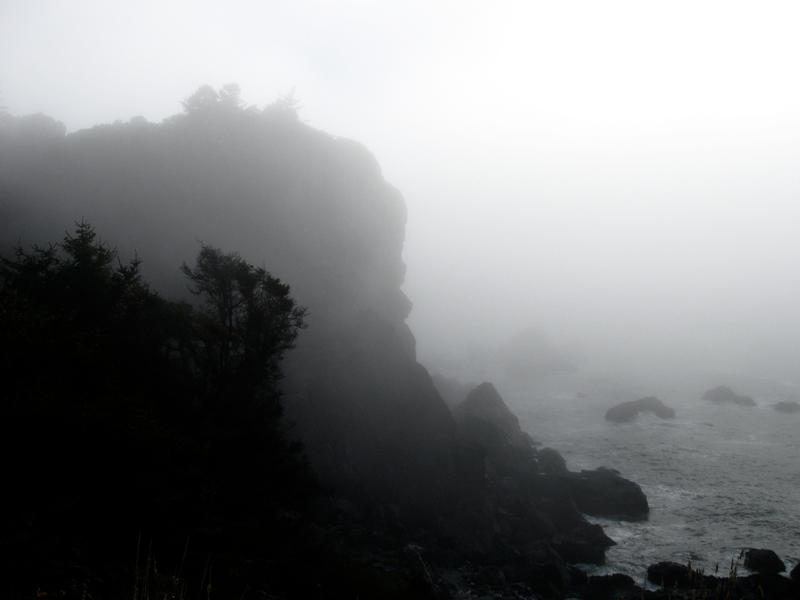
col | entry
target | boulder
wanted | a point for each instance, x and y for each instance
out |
(614, 585)
(763, 561)
(787, 407)
(627, 411)
(724, 395)
(669, 574)
(603, 493)
(795, 573)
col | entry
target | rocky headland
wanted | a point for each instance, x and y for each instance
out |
(420, 498)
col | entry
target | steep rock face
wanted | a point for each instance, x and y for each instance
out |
(312, 209)
(315, 211)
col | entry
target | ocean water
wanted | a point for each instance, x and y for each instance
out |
(718, 478)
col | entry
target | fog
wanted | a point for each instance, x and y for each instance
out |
(619, 176)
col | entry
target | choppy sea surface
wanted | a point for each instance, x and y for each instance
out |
(718, 478)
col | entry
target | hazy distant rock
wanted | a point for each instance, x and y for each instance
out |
(452, 391)
(627, 411)
(530, 354)
(603, 493)
(787, 406)
(763, 561)
(725, 395)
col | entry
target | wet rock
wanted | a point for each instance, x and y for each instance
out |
(603, 493)
(725, 395)
(763, 561)
(669, 574)
(770, 586)
(609, 586)
(627, 411)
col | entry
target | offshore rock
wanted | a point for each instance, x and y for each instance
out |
(627, 411)
(603, 493)
(787, 406)
(763, 561)
(725, 395)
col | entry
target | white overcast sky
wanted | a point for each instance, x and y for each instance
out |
(623, 175)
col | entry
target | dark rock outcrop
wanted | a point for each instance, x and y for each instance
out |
(679, 582)
(551, 462)
(485, 415)
(725, 395)
(524, 490)
(603, 493)
(787, 406)
(586, 543)
(670, 574)
(795, 573)
(615, 585)
(763, 560)
(627, 411)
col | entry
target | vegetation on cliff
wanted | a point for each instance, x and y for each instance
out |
(129, 416)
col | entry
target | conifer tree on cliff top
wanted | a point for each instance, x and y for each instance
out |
(125, 412)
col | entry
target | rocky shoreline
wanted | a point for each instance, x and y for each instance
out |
(524, 535)
(539, 542)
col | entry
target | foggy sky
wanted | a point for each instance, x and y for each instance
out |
(622, 175)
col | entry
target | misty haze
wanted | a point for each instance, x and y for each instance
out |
(399, 300)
